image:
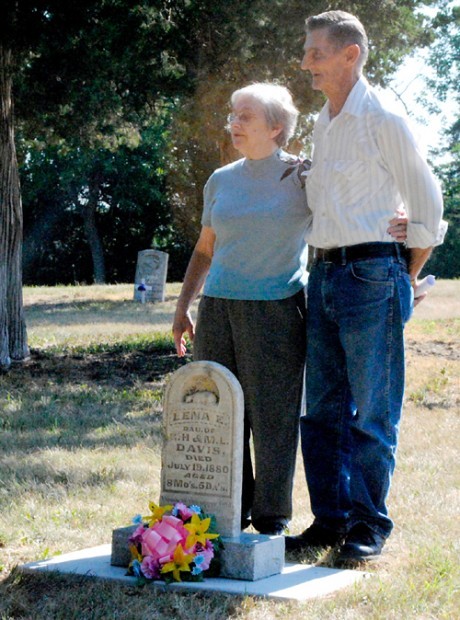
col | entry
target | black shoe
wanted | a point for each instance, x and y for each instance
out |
(315, 537)
(271, 527)
(361, 544)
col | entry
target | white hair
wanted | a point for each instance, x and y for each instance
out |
(279, 108)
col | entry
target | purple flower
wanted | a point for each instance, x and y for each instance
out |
(150, 567)
(136, 536)
(204, 555)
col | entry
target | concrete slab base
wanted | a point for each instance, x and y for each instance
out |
(296, 581)
(248, 556)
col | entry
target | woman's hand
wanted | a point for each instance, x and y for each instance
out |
(183, 324)
(398, 226)
(196, 273)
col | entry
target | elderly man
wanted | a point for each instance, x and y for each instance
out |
(366, 165)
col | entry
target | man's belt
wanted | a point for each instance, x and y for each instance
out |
(341, 256)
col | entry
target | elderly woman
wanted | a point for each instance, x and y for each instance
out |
(251, 257)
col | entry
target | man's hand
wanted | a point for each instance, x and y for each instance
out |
(398, 226)
(418, 257)
(418, 298)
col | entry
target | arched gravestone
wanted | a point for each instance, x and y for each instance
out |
(202, 456)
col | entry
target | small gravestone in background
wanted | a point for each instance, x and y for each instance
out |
(202, 463)
(151, 272)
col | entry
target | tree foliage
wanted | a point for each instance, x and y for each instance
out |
(92, 83)
(444, 54)
(445, 261)
(445, 59)
(131, 208)
(92, 80)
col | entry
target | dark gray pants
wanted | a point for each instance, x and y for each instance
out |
(263, 344)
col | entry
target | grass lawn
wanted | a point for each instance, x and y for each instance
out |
(80, 455)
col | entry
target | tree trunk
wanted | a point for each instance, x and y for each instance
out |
(13, 334)
(92, 234)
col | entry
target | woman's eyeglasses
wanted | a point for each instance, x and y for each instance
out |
(242, 119)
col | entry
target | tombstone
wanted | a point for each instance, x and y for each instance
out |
(202, 464)
(202, 457)
(151, 272)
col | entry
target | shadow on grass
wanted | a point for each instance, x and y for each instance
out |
(103, 400)
(108, 396)
(74, 597)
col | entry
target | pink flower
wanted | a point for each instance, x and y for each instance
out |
(181, 510)
(150, 567)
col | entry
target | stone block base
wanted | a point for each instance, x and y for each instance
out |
(248, 556)
(252, 556)
(121, 555)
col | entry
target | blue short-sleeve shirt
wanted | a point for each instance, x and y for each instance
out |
(260, 220)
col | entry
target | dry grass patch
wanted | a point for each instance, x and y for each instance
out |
(67, 316)
(80, 455)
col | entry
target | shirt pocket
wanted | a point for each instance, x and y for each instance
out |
(349, 182)
(349, 168)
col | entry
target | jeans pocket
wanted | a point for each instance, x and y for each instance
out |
(372, 271)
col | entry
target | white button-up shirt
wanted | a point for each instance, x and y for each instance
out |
(366, 164)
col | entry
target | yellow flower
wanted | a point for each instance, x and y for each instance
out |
(135, 553)
(180, 562)
(198, 531)
(157, 513)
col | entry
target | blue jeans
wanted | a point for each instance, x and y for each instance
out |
(355, 384)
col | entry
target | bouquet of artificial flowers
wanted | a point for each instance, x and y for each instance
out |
(175, 543)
